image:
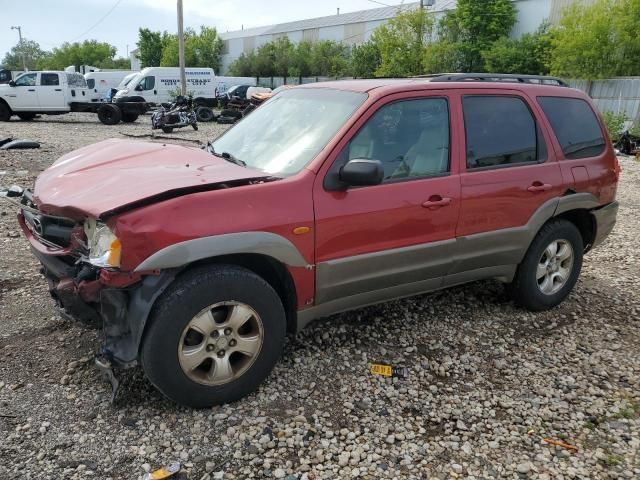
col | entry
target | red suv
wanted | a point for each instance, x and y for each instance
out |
(329, 197)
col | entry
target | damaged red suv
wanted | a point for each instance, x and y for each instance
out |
(329, 197)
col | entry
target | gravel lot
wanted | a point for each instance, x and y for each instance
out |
(487, 382)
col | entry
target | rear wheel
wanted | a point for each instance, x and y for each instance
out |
(167, 129)
(550, 268)
(26, 116)
(109, 114)
(213, 336)
(129, 117)
(5, 112)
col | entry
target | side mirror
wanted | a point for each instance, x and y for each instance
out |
(138, 88)
(361, 172)
(12, 83)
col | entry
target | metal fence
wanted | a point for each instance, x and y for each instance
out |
(275, 82)
(617, 95)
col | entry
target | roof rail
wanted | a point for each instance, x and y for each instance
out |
(495, 77)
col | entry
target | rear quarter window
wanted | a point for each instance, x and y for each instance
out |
(575, 125)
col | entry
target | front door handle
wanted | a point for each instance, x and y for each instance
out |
(31, 90)
(155, 92)
(58, 89)
(436, 201)
(539, 187)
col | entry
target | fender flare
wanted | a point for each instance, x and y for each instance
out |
(265, 243)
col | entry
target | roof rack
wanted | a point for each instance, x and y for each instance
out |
(495, 77)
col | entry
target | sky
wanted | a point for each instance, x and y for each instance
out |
(52, 22)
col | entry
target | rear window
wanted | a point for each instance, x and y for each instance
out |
(49, 79)
(575, 125)
(500, 131)
(76, 80)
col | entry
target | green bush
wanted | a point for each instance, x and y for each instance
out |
(614, 123)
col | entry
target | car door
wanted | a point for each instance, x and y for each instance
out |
(508, 174)
(393, 239)
(24, 96)
(50, 93)
(147, 89)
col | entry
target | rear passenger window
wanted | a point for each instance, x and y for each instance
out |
(49, 79)
(500, 131)
(575, 125)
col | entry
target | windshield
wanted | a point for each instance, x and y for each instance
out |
(286, 133)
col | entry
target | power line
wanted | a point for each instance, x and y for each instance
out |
(98, 22)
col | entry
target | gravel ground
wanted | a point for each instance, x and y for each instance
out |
(487, 382)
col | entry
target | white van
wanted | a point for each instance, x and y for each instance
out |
(126, 80)
(100, 83)
(160, 84)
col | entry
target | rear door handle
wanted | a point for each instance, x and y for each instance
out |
(539, 187)
(437, 201)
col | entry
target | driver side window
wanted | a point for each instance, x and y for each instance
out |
(26, 80)
(409, 137)
(148, 83)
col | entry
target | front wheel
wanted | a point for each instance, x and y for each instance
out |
(5, 112)
(214, 336)
(167, 129)
(550, 268)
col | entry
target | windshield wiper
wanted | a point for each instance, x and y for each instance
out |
(226, 155)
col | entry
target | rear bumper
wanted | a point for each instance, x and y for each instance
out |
(605, 219)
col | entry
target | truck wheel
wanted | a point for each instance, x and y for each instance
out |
(5, 112)
(550, 268)
(129, 117)
(167, 129)
(214, 336)
(109, 114)
(204, 114)
(26, 116)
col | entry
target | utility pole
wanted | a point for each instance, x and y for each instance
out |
(24, 62)
(183, 77)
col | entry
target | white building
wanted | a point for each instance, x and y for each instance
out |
(356, 27)
(135, 61)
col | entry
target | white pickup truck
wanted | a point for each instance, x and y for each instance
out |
(56, 93)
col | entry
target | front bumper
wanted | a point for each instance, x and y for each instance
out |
(605, 219)
(119, 302)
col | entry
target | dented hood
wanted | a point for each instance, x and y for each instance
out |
(118, 174)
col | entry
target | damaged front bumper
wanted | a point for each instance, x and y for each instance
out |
(118, 301)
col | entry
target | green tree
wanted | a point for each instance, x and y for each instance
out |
(401, 43)
(89, 52)
(243, 66)
(302, 59)
(464, 33)
(207, 47)
(150, 46)
(365, 60)
(32, 55)
(329, 58)
(599, 40)
(528, 54)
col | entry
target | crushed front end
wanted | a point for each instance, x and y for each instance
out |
(80, 261)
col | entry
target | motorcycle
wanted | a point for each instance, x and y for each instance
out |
(628, 143)
(175, 115)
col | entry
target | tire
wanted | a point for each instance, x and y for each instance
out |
(528, 288)
(129, 117)
(26, 116)
(167, 129)
(5, 112)
(231, 113)
(204, 114)
(192, 295)
(109, 114)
